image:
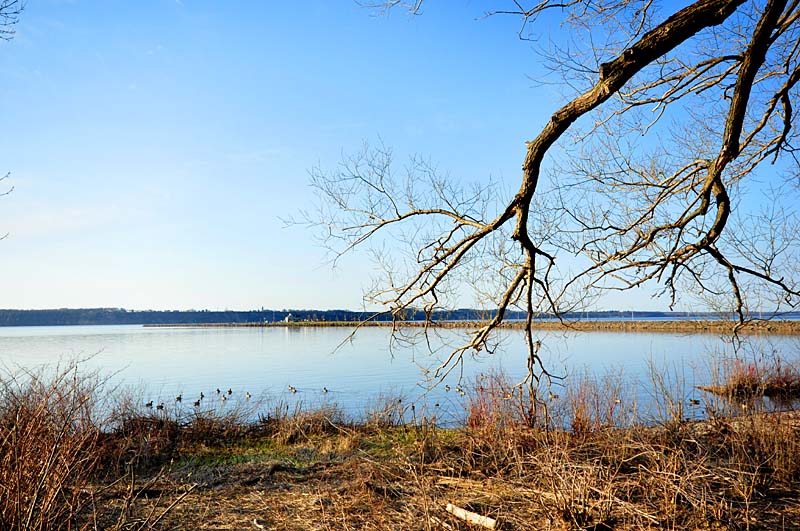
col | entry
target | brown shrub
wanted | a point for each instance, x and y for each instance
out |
(48, 448)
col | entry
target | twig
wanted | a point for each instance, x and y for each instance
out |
(440, 522)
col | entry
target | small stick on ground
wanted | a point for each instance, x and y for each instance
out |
(440, 522)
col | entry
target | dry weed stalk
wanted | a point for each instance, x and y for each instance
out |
(606, 466)
(48, 448)
(60, 453)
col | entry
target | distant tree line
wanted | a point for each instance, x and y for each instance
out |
(121, 316)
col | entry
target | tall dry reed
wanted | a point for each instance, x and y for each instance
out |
(49, 438)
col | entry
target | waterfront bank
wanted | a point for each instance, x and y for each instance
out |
(654, 326)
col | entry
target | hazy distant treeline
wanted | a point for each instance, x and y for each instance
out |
(120, 316)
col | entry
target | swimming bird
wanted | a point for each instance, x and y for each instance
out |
(224, 398)
(292, 389)
(196, 403)
(160, 407)
(248, 395)
(447, 388)
(617, 401)
(554, 396)
(324, 390)
(149, 405)
(230, 391)
(179, 398)
(694, 402)
(202, 396)
(217, 390)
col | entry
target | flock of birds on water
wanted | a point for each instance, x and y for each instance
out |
(226, 394)
(223, 397)
(507, 395)
(179, 399)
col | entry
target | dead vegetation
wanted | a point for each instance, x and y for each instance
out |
(749, 381)
(581, 460)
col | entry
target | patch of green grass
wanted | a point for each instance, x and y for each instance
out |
(243, 451)
(386, 443)
(261, 449)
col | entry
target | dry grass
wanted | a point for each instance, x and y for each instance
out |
(581, 460)
(402, 478)
(48, 449)
(72, 460)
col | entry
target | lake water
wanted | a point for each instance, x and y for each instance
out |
(359, 374)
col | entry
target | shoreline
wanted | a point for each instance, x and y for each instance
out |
(790, 328)
(583, 460)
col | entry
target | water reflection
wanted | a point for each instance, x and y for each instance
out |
(314, 367)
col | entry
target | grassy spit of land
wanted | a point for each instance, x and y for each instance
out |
(582, 460)
(665, 326)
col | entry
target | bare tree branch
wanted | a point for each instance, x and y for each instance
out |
(675, 117)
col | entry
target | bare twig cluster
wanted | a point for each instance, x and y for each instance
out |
(9, 16)
(64, 450)
(48, 449)
(646, 175)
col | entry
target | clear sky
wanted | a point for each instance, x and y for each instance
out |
(155, 146)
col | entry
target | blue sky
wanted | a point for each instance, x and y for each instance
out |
(154, 147)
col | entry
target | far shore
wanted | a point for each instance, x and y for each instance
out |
(789, 328)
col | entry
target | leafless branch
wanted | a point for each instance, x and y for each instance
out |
(675, 116)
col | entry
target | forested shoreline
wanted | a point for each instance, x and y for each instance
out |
(121, 316)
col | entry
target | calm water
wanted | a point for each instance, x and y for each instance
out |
(161, 363)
